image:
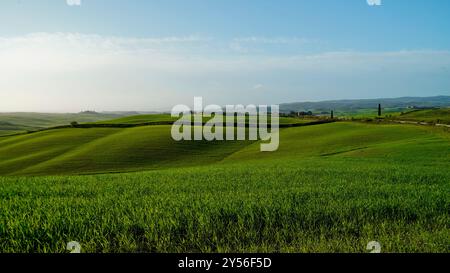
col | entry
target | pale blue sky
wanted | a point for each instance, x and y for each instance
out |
(145, 55)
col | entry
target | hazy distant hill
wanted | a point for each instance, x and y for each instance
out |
(351, 105)
(18, 122)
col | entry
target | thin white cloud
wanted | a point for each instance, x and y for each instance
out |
(73, 2)
(374, 2)
(260, 43)
(70, 72)
(238, 47)
(276, 40)
(258, 86)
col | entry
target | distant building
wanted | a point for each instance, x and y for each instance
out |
(420, 107)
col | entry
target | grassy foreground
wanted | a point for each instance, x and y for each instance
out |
(263, 208)
(329, 188)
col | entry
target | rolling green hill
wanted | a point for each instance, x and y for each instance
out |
(74, 151)
(329, 188)
(142, 119)
(101, 150)
(8, 128)
(357, 107)
(428, 115)
(139, 119)
(62, 149)
(355, 141)
(11, 123)
(92, 150)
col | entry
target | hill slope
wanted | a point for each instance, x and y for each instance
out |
(428, 115)
(100, 150)
(166, 118)
(74, 151)
(19, 122)
(329, 188)
(352, 106)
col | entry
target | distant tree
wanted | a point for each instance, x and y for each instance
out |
(332, 114)
(303, 114)
(74, 124)
(379, 110)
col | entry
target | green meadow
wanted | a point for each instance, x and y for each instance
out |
(329, 188)
(429, 115)
(162, 118)
(14, 123)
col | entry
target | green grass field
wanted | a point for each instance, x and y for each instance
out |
(329, 188)
(12, 123)
(142, 119)
(430, 115)
(368, 113)
(75, 151)
(138, 119)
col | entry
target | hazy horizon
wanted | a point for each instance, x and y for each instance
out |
(191, 105)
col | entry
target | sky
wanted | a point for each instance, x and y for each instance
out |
(115, 55)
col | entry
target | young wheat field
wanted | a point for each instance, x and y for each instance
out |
(329, 188)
